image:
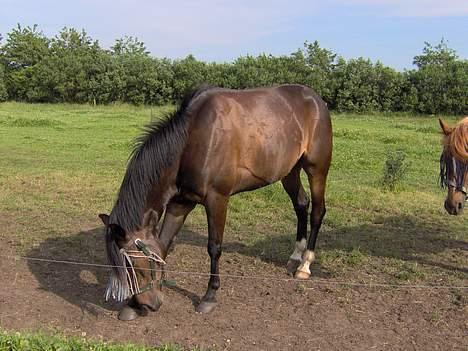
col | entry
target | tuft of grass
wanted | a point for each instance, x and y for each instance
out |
(40, 342)
(409, 272)
(355, 257)
(340, 259)
(30, 122)
(395, 169)
(435, 317)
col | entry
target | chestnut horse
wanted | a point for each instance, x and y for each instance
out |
(218, 143)
(454, 165)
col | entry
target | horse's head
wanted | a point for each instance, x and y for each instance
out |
(138, 262)
(454, 165)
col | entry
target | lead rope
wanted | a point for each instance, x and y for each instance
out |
(131, 278)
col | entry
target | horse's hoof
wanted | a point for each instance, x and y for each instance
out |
(127, 314)
(205, 307)
(292, 266)
(302, 275)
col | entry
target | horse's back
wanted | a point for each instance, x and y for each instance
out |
(244, 139)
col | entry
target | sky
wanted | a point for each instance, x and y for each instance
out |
(392, 31)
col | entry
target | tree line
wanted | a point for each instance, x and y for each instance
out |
(72, 67)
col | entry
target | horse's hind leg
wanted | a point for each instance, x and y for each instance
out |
(317, 181)
(292, 185)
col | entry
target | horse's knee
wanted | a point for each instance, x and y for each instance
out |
(303, 201)
(302, 204)
(214, 250)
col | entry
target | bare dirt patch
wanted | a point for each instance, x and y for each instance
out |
(257, 314)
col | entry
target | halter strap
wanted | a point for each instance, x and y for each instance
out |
(142, 252)
(453, 184)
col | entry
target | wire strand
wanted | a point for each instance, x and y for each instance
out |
(316, 281)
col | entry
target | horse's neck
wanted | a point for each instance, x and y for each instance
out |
(162, 192)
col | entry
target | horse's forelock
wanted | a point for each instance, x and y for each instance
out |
(451, 166)
(457, 141)
(117, 288)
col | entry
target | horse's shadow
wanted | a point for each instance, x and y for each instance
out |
(404, 237)
(82, 285)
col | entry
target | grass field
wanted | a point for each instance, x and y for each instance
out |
(40, 342)
(61, 165)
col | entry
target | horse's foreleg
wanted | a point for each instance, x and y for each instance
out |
(216, 209)
(176, 212)
(292, 185)
(317, 184)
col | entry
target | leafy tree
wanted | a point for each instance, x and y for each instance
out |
(357, 90)
(72, 67)
(321, 64)
(129, 46)
(439, 55)
(268, 70)
(389, 88)
(3, 90)
(441, 81)
(25, 47)
(188, 72)
(77, 70)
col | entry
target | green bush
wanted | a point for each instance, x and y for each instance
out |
(441, 81)
(3, 89)
(72, 67)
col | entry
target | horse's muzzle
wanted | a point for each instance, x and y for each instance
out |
(455, 210)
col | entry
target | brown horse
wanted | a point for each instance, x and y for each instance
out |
(454, 165)
(218, 143)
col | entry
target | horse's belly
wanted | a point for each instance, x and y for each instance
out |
(272, 159)
(260, 169)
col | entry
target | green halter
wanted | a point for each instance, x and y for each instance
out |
(143, 252)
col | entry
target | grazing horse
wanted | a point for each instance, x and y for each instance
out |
(454, 165)
(219, 142)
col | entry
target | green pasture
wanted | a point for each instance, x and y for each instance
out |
(61, 165)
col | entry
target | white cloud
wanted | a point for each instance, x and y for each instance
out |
(412, 8)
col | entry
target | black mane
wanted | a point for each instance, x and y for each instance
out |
(155, 149)
(161, 142)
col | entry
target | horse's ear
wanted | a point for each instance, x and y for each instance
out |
(150, 221)
(445, 127)
(104, 219)
(118, 232)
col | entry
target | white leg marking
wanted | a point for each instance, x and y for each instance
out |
(299, 250)
(307, 259)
